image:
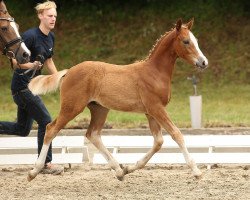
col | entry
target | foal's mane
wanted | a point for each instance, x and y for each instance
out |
(158, 41)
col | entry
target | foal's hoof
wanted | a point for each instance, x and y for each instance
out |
(125, 170)
(120, 178)
(30, 176)
(198, 174)
(121, 166)
(120, 174)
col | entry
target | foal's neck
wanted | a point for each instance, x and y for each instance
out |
(164, 56)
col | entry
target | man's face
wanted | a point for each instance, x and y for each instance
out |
(48, 18)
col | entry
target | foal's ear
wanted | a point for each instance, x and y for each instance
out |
(178, 24)
(190, 24)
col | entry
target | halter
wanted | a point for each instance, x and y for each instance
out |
(10, 43)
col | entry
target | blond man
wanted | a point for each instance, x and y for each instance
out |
(40, 41)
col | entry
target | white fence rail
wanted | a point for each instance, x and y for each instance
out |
(23, 150)
(205, 149)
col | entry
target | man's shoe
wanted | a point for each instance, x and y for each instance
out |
(52, 169)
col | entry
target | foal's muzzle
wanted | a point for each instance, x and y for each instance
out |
(201, 62)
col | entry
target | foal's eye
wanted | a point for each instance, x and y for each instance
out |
(186, 41)
(4, 29)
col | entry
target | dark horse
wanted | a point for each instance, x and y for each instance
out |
(11, 43)
(142, 87)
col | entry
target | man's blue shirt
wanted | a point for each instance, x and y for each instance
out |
(39, 44)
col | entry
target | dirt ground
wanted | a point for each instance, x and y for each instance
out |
(155, 182)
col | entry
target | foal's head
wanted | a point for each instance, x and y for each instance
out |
(186, 45)
(11, 43)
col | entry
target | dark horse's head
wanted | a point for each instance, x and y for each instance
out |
(11, 43)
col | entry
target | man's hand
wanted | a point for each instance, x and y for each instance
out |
(37, 65)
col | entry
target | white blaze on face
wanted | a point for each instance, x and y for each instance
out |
(13, 25)
(194, 41)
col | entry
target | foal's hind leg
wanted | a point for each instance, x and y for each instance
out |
(67, 113)
(161, 116)
(155, 129)
(98, 118)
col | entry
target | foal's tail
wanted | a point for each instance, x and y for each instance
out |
(46, 83)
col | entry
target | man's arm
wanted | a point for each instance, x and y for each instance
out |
(26, 65)
(50, 66)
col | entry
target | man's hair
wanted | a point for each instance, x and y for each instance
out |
(44, 6)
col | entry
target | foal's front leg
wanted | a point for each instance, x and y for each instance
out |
(161, 116)
(155, 129)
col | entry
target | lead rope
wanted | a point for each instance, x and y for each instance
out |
(34, 68)
(11, 64)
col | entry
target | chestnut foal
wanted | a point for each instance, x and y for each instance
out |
(142, 87)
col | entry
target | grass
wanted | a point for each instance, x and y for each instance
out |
(220, 108)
